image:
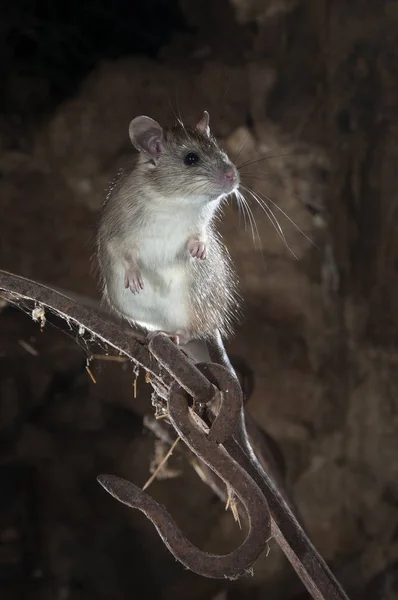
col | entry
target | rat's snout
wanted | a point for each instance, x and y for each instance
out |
(229, 177)
(230, 174)
(226, 177)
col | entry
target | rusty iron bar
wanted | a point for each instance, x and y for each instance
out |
(125, 340)
(304, 558)
(266, 449)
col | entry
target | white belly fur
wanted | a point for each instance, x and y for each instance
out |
(163, 258)
(155, 307)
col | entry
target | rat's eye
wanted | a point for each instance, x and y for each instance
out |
(191, 159)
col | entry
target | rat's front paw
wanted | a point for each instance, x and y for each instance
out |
(133, 280)
(197, 249)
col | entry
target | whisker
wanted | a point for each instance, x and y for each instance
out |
(318, 207)
(172, 109)
(200, 187)
(252, 220)
(274, 221)
(240, 148)
(254, 226)
(246, 212)
(254, 162)
(176, 115)
(178, 109)
(258, 176)
(267, 210)
(291, 221)
(262, 201)
(240, 209)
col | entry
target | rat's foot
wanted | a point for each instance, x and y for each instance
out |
(133, 279)
(174, 337)
(178, 338)
(197, 249)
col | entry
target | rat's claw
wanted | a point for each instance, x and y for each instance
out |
(174, 337)
(179, 338)
(133, 280)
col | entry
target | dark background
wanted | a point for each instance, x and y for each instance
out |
(309, 90)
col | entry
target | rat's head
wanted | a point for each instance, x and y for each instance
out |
(183, 162)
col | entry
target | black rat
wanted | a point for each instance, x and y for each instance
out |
(162, 261)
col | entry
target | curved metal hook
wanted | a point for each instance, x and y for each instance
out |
(203, 381)
(184, 371)
(230, 401)
(230, 565)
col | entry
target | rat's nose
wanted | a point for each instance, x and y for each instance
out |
(230, 174)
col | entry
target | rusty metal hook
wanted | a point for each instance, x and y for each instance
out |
(193, 432)
(184, 371)
(203, 381)
(227, 406)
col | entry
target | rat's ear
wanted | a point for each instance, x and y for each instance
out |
(203, 125)
(147, 136)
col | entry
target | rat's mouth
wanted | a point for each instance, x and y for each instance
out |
(221, 190)
(229, 187)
